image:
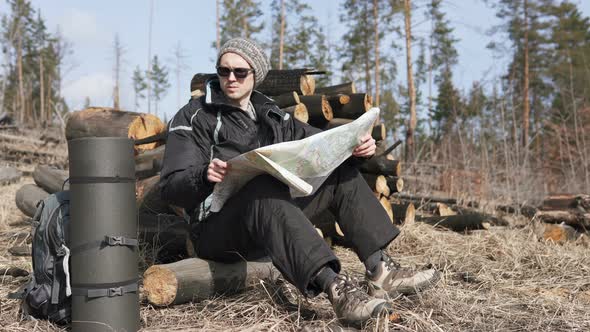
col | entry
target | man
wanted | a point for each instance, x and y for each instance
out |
(262, 219)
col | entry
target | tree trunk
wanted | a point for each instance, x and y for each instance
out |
(419, 198)
(377, 183)
(404, 213)
(106, 122)
(298, 111)
(359, 104)
(381, 165)
(19, 65)
(319, 110)
(50, 178)
(567, 201)
(284, 81)
(149, 162)
(41, 92)
(574, 218)
(27, 197)
(195, 279)
(379, 132)
(282, 35)
(347, 88)
(377, 68)
(525, 93)
(411, 88)
(217, 27)
(336, 101)
(395, 184)
(287, 99)
(459, 223)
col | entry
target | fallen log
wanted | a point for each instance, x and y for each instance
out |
(149, 162)
(458, 223)
(336, 101)
(526, 210)
(574, 218)
(13, 271)
(319, 110)
(108, 122)
(24, 250)
(278, 82)
(149, 198)
(344, 88)
(195, 279)
(566, 201)
(387, 207)
(381, 165)
(377, 183)
(298, 111)
(9, 175)
(166, 237)
(419, 198)
(379, 132)
(359, 104)
(50, 178)
(403, 213)
(395, 183)
(444, 210)
(27, 197)
(287, 99)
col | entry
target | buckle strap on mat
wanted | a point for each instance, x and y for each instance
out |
(106, 290)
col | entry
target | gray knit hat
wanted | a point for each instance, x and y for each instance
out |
(251, 52)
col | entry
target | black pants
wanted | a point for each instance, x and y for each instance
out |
(263, 220)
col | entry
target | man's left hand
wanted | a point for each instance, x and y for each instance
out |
(366, 148)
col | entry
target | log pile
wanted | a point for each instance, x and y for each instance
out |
(564, 218)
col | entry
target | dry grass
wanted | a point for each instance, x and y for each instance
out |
(502, 279)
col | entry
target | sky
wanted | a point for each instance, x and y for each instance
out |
(91, 26)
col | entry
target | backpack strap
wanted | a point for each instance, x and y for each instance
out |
(100, 179)
(109, 240)
(106, 289)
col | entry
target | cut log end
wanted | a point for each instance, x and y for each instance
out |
(327, 110)
(307, 85)
(160, 285)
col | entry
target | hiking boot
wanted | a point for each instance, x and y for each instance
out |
(389, 279)
(352, 305)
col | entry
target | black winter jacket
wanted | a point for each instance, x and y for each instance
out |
(209, 127)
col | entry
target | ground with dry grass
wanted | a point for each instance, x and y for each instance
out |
(502, 279)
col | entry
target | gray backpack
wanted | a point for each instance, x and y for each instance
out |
(47, 295)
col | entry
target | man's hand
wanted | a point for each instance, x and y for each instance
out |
(216, 170)
(366, 148)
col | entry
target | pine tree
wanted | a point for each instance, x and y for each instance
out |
(139, 86)
(159, 81)
(240, 18)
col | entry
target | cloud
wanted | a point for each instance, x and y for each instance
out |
(96, 86)
(79, 26)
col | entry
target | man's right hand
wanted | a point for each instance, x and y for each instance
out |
(216, 170)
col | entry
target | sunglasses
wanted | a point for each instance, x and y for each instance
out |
(238, 72)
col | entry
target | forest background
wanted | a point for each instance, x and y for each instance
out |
(496, 89)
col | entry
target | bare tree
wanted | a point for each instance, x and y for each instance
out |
(377, 69)
(119, 51)
(217, 26)
(411, 88)
(526, 110)
(149, 66)
(282, 35)
(179, 60)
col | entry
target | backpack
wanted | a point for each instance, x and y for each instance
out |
(47, 294)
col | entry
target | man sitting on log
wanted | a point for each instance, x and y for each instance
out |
(262, 219)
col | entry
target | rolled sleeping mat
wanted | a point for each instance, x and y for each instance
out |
(103, 235)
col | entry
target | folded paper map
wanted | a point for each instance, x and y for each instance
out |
(303, 165)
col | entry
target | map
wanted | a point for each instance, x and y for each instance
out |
(303, 165)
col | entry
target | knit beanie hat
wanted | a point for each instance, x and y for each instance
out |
(251, 52)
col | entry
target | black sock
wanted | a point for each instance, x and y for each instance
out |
(372, 261)
(324, 278)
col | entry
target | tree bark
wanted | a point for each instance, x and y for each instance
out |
(459, 223)
(403, 213)
(347, 88)
(419, 198)
(287, 99)
(411, 88)
(319, 110)
(149, 162)
(27, 197)
(567, 201)
(359, 104)
(379, 132)
(574, 218)
(336, 101)
(278, 82)
(195, 279)
(377, 183)
(525, 93)
(107, 122)
(381, 165)
(50, 178)
(395, 184)
(377, 68)
(298, 111)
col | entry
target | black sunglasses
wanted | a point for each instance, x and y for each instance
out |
(238, 72)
